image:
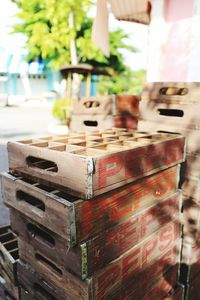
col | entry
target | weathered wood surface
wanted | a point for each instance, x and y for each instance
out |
(88, 172)
(172, 92)
(149, 276)
(95, 105)
(35, 287)
(114, 275)
(91, 122)
(9, 252)
(90, 256)
(125, 120)
(192, 136)
(8, 290)
(184, 115)
(76, 220)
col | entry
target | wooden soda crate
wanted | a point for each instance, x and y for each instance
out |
(75, 219)
(177, 294)
(88, 172)
(9, 252)
(184, 115)
(127, 104)
(149, 276)
(91, 122)
(163, 287)
(172, 92)
(94, 105)
(125, 121)
(192, 136)
(114, 275)
(92, 255)
(35, 287)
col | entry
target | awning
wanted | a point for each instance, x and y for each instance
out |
(126, 10)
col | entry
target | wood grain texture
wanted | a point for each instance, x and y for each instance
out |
(8, 290)
(98, 169)
(75, 219)
(114, 275)
(92, 255)
(9, 252)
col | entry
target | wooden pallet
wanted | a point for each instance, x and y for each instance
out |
(114, 275)
(9, 252)
(126, 121)
(172, 92)
(90, 171)
(184, 115)
(94, 254)
(35, 287)
(91, 122)
(76, 220)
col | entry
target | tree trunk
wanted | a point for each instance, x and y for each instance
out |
(74, 61)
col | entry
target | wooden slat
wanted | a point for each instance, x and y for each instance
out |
(88, 176)
(76, 220)
(88, 257)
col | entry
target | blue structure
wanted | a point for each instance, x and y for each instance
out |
(29, 80)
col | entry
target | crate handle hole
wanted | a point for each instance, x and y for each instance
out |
(43, 164)
(30, 200)
(173, 91)
(91, 123)
(48, 264)
(91, 104)
(171, 112)
(38, 233)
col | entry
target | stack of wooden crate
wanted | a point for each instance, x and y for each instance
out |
(104, 112)
(97, 216)
(174, 107)
(9, 288)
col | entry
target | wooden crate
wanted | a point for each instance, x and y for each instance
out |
(94, 105)
(166, 288)
(8, 290)
(184, 115)
(172, 92)
(149, 276)
(35, 287)
(192, 136)
(91, 122)
(114, 275)
(92, 255)
(9, 252)
(88, 172)
(125, 121)
(127, 104)
(191, 188)
(76, 220)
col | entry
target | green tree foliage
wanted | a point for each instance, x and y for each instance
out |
(45, 23)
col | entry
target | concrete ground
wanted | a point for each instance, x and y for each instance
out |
(17, 123)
